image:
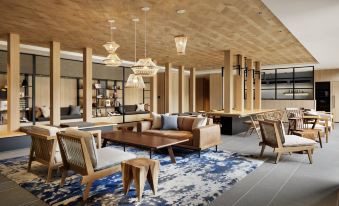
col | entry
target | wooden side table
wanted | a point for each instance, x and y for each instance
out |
(140, 169)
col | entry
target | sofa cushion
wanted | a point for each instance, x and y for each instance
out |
(140, 107)
(45, 111)
(199, 122)
(89, 141)
(169, 122)
(175, 134)
(74, 110)
(130, 108)
(295, 141)
(108, 157)
(156, 124)
(185, 123)
(136, 112)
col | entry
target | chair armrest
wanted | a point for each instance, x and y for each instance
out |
(97, 135)
(144, 125)
(206, 136)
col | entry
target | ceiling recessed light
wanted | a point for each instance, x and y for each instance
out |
(259, 13)
(145, 8)
(111, 21)
(181, 11)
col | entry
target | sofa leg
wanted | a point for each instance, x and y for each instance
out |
(199, 153)
(216, 148)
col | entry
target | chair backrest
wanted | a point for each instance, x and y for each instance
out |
(293, 112)
(272, 133)
(78, 151)
(44, 142)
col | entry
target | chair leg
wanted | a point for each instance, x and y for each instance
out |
(320, 141)
(49, 174)
(278, 157)
(252, 129)
(309, 153)
(31, 153)
(87, 190)
(262, 150)
(63, 176)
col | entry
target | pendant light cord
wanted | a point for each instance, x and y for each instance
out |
(135, 41)
(145, 34)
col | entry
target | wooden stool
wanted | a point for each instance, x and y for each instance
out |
(139, 169)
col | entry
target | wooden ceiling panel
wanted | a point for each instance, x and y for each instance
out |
(246, 26)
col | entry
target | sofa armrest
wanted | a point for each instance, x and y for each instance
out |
(207, 136)
(144, 125)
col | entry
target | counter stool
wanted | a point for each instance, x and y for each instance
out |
(140, 169)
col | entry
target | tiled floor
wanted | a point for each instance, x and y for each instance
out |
(292, 182)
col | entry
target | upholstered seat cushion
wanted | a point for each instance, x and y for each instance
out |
(108, 157)
(171, 133)
(295, 141)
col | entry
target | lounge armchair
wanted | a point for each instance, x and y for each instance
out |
(273, 135)
(79, 154)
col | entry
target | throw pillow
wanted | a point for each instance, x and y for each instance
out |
(199, 122)
(157, 124)
(157, 121)
(45, 111)
(38, 112)
(74, 110)
(140, 107)
(169, 122)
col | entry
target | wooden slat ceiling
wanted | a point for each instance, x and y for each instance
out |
(212, 26)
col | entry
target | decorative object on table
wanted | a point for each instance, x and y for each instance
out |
(22, 94)
(112, 59)
(140, 169)
(107, 103)
(3, 105)
(214, 173)
(145, 67)
(24, 83)
(97, 86)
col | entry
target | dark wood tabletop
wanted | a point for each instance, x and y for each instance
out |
(139, 139)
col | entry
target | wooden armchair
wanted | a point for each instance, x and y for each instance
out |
(273, 135)
(44, 148)
(79, 154)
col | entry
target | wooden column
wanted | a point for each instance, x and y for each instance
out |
(192, 90)
(87, 84)
(168, 87)
(239, 84)
(257, 101)
(55, 83)
(228, 81)
(181, 88)
(13, 82)
(249, 85)
(154, 93)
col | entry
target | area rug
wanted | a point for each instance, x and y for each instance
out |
(191, 181)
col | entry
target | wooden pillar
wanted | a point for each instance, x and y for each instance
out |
(87, 84)
(192, 90)
(249, 85)
(55, 83)
(239, 84)
(257, 101)
(168, 88)
(181, 88)
(228, 81)
(13, 82)
(154, 93)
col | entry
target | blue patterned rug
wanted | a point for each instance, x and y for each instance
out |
(191, 181)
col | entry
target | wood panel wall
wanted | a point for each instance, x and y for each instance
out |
(216, 92)
(326, 75)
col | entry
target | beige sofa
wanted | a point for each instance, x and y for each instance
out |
(199, 138)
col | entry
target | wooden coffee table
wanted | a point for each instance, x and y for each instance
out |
(150, 142)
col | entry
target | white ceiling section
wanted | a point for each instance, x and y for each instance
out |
(315, 23)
